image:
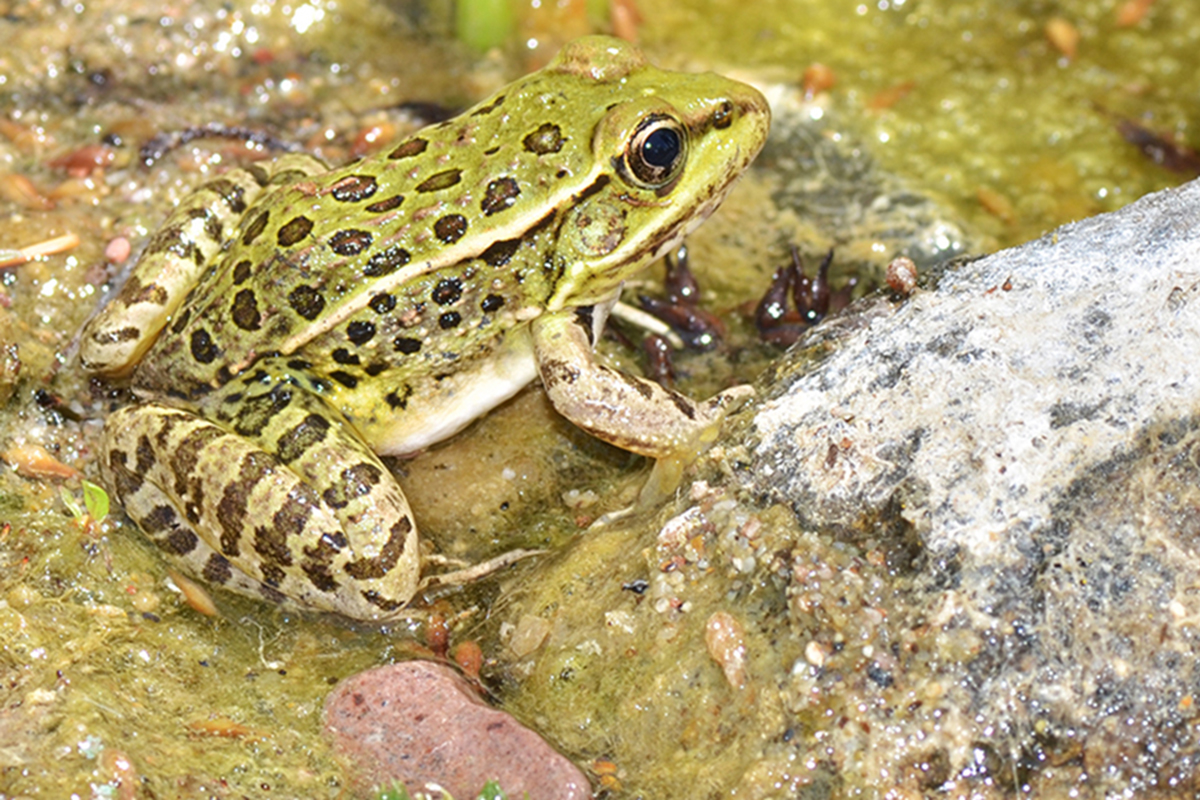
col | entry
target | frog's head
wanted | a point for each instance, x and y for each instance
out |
(666, 148)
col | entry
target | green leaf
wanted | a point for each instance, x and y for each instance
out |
(69, 501)
(95, 499)
(492, 791)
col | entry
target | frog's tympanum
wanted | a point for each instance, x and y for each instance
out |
(290, 322)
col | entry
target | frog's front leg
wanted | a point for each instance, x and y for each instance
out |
(632, 413)
(268, 490)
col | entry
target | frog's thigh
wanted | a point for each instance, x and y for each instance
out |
(173, 261)
(629, 412)
(304, 511)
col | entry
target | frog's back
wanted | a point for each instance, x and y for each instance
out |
(429, 251)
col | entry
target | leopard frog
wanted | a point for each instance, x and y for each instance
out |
(290, 323)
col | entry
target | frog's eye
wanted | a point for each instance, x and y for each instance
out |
(655, 154)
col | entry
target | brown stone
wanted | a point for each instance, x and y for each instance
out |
(420, 722)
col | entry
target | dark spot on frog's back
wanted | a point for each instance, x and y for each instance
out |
(235, 501)
(386, 261)
(450, 228)
(500, 253)
(448, 290)
(449, 320)
(179, 541)
(316, 565)
(241, 272)
(149, 293)
(440, 180)
(203, 348)
(407, 345)
(493, 302)
(185, 457)
(245, 310)
(343, 356)
(382, 303)
(545, 140)
(294, 231)
(127, 481)
(255, 228)
(360, 332)
(289, 520)
(387, 204)
(489, 108)
(354, 188)
(146, 457)
(349, 242)
(413, 147)
(307, 302)
(159, 519)
(501, 193)
(344, 378)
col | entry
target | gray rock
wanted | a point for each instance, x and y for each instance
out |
(1021, 437)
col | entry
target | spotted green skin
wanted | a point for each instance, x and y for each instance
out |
(289, 322)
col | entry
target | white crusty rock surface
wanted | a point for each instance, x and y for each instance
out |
(977, 403)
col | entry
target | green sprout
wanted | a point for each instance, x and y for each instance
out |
(95, 502)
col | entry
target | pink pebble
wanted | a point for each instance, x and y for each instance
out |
(420, 722)
(117, 250)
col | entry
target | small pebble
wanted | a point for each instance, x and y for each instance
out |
(817, 78)
(1063, 36)
(901, 275)
(117, 250)
(726, 643)
(529, 634)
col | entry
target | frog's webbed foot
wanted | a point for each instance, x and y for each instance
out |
(269, 492)
(667, 473)
(631, 413)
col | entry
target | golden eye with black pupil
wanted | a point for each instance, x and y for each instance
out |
(656, 151)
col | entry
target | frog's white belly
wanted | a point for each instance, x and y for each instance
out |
(460, 399)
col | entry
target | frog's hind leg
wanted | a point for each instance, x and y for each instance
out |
(186, 244)
(274, 496)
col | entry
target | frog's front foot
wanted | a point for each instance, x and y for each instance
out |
(667, 473)
(632, 413)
